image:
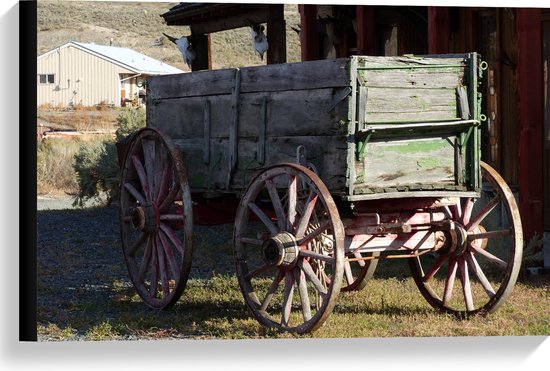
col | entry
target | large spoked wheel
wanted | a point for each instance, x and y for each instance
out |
(483, 253)
(289, 249)
(156, 220)
(357, 272)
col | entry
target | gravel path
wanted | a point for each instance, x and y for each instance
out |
(81, 269)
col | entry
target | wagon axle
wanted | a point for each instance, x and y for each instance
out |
(146, 217)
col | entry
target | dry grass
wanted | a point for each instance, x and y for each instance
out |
(139, 26)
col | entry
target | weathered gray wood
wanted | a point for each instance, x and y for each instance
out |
(329, 107)
(432, 78)
(329, 159)
(289, 113)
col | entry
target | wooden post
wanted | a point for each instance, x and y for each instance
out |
(203, 61)
(366, 40)
(530, 93)
(438, 30)
(276, 34)
(309, 36)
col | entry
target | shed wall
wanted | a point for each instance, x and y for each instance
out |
(80, 78)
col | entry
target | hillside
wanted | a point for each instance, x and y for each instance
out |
(139, 26)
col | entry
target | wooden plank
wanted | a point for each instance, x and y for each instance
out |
(198, 83)
(329, 159)
(394, 162)
(373, 62)
(288, 113)
(417, 78)
(296, 76)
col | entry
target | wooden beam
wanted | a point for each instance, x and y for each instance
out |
(530, 93)
(203, 61)
(366, 40)
(438, 30)
(309, 35)
(276, 34)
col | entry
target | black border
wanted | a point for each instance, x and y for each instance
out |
(27, 171)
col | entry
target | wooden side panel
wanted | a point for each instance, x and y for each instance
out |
(402, 162)
(407, 89)
(275, 77)
(329, 159)
(289, 113)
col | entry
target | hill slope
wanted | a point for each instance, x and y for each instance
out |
(139, 26)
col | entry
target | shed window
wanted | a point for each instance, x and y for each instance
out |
(46, 78)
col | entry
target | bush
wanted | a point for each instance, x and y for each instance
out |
(54, 165)
(96, 163)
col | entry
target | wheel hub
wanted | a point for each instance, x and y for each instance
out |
(146, 217)
(453, 241)
(280, 250)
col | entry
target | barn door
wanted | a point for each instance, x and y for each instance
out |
(546, 136)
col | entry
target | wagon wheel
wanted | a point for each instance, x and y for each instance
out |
(156, 219)
(486, 256)
(289, 249)
(358, 272)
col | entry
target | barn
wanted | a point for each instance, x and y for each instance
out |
(90, 74)
(513, 41)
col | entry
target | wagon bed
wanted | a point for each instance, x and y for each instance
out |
(331, 166)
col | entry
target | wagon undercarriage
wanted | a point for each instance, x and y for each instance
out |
(324, 197)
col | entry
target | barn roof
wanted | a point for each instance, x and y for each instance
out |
(127, 58)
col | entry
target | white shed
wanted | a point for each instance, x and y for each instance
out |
(90, 74)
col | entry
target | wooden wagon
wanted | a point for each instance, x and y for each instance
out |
(331, 165)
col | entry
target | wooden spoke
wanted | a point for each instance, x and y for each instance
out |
(164, 183)
(490, 234)
(474, 266)
(251, 241)
(292, 201)
(142, 177)
(163, 269)
(169, 199)
(311, 254)
(256, 272)
(308, 210)
(172, 236)
(435, 268)
(314, 234)
(154, 278)
(171, 217)
(287, 300)
(300, 279)
(277, 206)
(134, 192)
(146, 260)
(174, 267)
(148, 147)
(465, 280)
(449, 281)
(347, 273)
(272, 290)
(467, 211)
(264, 218)
(474, 222)
(497, 262)
(137, 244)
(312, 276)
